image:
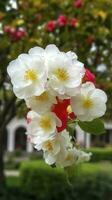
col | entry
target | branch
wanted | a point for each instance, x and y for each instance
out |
(6, 109)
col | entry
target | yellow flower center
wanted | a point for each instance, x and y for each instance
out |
(43, 97)
(69, 157)
(48, 145)
(61, 74)
(31, 74)
(69, 109)
(45, 123)
(87, 103)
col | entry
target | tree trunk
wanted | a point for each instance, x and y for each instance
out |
(2, 177)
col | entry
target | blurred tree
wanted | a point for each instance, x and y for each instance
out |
(80, 25)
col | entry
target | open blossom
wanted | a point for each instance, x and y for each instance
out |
(66, 159)
(54, 146)
(56, 149)
(83, 156)
(90, 103)
(64, 74)
(46, 53)
(28, 76)
(42, 126)
(50, 51)
(72, 156)
(41, 103)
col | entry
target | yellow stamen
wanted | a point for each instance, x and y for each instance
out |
(43, 97)
(87, 103)
(69, 109)
(61, 74)
(69, 157)
(45, 123)
(48, 145)
(31, 75)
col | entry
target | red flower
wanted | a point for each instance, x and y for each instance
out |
(18, 34)
(50, 26)
(78, 3)
(62, 20)
(60, 109)
(89, 76)
(14, 33)
(73, 22)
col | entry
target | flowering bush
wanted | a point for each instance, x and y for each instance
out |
(60, 92)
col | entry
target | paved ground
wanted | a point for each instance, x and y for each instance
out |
(11, 173)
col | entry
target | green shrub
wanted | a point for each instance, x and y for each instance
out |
(41, 182)
(100, 154)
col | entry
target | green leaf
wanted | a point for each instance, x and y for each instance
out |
(95, 127)
(71, 128)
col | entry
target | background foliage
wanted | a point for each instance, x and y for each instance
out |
(86, 29)
(39, 181)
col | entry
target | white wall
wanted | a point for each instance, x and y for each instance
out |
(11, 130)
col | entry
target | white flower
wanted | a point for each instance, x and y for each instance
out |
(72, 55)
(28, 75)
(65, 72)
(42, 103)
(54, 147)
(63, 142)
(51, 148)
(50, 51)
(67, 158)
(47, 52)
(83, 156)
(64, 75)
(37, 51)
(42, 126)
(90, 103)
(73, 156)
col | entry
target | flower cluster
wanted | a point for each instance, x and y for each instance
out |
(58, 90)
(61, 21)
(15, 34)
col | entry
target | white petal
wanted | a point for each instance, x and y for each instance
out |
(49, 158)
(36, 51)
(51, 49)
(99, 95)
(72, 55)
